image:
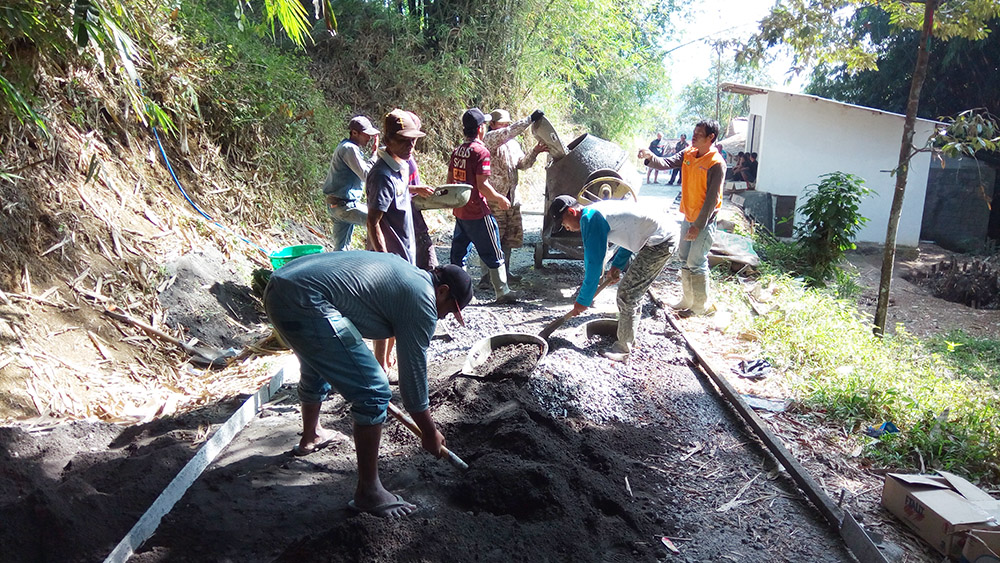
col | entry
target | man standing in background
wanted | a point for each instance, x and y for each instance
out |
(678, 148)
(656, 147)
(506, 159)
(426, 258)
(345, 179)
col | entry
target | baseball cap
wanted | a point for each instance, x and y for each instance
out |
(459, 284)
(473, 118)
(499, 116)
(558, 206)
(361, 123)
(400, 122)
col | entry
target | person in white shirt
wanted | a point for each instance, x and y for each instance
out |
(643, 236)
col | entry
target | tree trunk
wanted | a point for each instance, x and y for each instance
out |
(902, 170)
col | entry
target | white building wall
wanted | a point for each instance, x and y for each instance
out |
(804, 137)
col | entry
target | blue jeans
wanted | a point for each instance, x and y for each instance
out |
(332, 353)
(694, 253)
(484, 234)
(345, 216)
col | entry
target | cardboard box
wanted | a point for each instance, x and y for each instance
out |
(940, 508)
(981, 546)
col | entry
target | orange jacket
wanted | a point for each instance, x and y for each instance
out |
(694, 181)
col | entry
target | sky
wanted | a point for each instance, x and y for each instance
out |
(720, 19)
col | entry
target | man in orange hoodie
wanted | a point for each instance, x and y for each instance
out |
(702, 172)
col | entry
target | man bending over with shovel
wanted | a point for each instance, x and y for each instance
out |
(637, 231)
(322, 306)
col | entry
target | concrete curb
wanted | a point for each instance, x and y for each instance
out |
(148, 522)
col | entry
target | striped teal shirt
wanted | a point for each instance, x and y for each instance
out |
(381, 294)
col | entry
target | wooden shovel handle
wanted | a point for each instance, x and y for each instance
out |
(408, 422)
(212, 358)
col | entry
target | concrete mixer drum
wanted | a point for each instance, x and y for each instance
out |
(592, 170)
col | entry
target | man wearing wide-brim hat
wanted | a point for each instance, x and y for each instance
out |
(390, 209)
(507, 158)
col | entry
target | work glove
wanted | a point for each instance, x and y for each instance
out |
(536, 115)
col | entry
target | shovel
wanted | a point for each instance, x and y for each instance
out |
(552, 326)
(408, 422)
(199, 356)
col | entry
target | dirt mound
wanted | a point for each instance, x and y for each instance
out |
(970, 281)
(60, 482)
(209, 295)
(584, 460)
(534, 486)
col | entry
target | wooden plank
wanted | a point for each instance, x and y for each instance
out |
(148, 522)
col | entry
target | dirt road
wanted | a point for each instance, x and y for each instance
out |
(585, 460)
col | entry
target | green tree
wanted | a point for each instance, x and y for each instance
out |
(601, 56)
(109, 34)
(830, 222)
(704, 98)
(819, 32)
(964, 70)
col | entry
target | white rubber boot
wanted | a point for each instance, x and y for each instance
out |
(687, 298)
(511, 278)
(617, 352)
(484, 281)
(702, 304)
(498, 276)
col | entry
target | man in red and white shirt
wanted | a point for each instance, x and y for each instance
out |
(474, 222)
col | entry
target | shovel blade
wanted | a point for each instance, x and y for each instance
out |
(552, 326)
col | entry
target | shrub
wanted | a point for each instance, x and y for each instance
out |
(831, 220)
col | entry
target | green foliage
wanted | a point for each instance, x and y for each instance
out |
(594, 61)
(961, 80)
(777, 256)
(830, 220)
(701, 99)
(822, 32)
(21, 108)
(616, 65)
(833, 363)
(260, 105)
(84, 31)
(846, 285)
(115, 36)
(972, 131)
(968, 356)
(815, 32)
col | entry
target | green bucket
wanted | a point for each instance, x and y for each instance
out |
(289, 253)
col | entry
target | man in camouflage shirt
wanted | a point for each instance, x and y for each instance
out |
(507, 159)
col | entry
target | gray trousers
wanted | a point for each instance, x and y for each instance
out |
(647, 264)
